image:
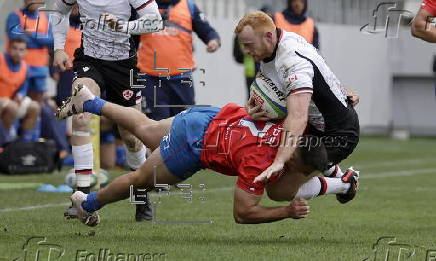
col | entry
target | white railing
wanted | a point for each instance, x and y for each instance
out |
(351, 12)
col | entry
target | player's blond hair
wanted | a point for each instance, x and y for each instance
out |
(258, 20)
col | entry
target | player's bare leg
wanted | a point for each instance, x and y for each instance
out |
(152, 172)
(302, 181)
(135, 158)
(136, 155)
(81, 141)
(132, 124)
(149, 131)
(81, 145)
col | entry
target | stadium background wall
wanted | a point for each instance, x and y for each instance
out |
(391, 75)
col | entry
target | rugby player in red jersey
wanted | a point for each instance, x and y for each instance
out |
(422, 26)
(226, 140)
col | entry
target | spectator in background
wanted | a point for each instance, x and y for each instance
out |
(14, 103)
(250, 66)
(295, 19)
(422, 27)
(33, 26)
(171, 51)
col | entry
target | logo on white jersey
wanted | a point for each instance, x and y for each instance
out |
(127, 94)
(293, 78)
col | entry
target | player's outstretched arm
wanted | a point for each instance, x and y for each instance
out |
(422, 28)
(294, 125)
(246, 209)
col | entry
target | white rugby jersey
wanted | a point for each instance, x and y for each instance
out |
(98, 40)
(297, 67)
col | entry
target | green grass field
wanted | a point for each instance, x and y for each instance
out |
(396, 200)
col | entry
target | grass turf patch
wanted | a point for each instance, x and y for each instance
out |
(395, 200)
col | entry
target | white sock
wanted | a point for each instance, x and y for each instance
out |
(309, 189)
(318, 186)
(136, 159)
(336, 186)
(83, 164)
(333, 172)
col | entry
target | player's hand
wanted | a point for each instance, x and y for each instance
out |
(213, 45)
(61, 60)
(275, 169)
(352, 97)
(255, 111)
(299, 209)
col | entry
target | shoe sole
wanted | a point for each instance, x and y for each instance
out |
(68, 215)
(345, 198)
(67, 101)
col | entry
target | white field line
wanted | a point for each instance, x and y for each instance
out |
(385, 174)
(5, 210)
(400, 162)
(398, 173)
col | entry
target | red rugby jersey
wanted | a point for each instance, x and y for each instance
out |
(430, 6)
(235, 145)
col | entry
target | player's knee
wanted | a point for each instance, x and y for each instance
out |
(239, 216)
(81, 122)
(89, 83)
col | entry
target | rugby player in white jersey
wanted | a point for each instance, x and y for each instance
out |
(317, 104)
(105, 63)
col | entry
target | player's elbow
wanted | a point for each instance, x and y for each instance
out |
(241, 216)
(414, 30)
(418, 29)
(239, 220)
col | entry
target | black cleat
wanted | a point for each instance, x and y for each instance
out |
(70, 213)
(352, 177)
(144, 211)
